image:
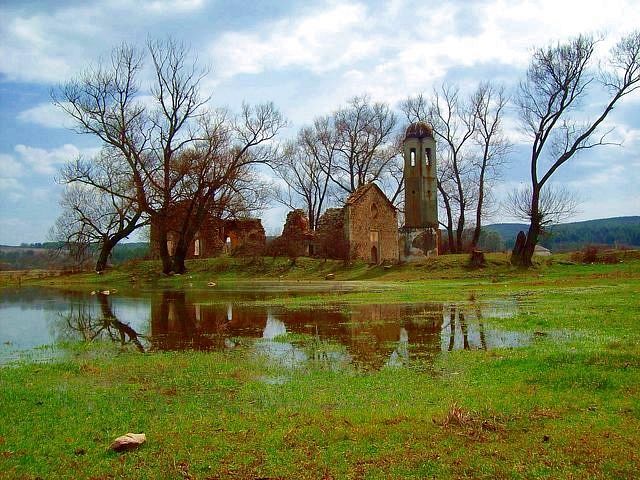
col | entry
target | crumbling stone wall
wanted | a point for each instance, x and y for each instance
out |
(330, 240)
(296, 239)
(247, 236)
(208, 236)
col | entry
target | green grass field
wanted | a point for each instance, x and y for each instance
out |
(565, 406)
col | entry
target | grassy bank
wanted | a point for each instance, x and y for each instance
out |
(438, 278)
(565, 406)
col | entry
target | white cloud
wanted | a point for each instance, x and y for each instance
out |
(173, 6)
(11, 189)
(12, 224)
(46, 115)
(50, 47)
(601, 176)
(47, 162)
(9, 167)
(320, 41)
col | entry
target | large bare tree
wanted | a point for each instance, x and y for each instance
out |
(304, 168)
(558, 81)
(364, 132)
(157, 133)
(100, 217)
(216, 174)
(489, 103)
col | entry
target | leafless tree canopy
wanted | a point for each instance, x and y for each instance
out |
(364, 135)
(489, 104)
(170, 149)
(306, 183)
(556, 203)
(338, 153)
(471, 150)
(558, 80)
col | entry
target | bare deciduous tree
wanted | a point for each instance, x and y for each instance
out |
(555, 204)
(307, 183)
(558, 79)
(216, 176)
(489, 103)
(158, 138)
(363, 149)
(100, 216)
(471, 150)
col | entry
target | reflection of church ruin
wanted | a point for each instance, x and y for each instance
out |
(365, 228)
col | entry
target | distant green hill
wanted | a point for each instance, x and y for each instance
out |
(43, 255)
(616, 231)
(129, 251)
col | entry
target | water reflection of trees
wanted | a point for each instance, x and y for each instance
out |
(178, 323)
(459, 327)
(82, 320)
(368, 335)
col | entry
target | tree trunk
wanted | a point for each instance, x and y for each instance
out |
(110, 242)
(530, 245)
(447, 207)
(164, 251)
(460, 231)
(518, 248)
(477, 260)
(179, 257)
(103, 258)
(523, 255)
(476, 231)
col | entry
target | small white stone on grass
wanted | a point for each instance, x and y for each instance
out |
(128, 442)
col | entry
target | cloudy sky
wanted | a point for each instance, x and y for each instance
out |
(308, 58)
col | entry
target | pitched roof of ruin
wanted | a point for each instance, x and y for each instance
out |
(362, 190)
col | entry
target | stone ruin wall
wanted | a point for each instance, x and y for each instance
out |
(247, 237)
(330, 240)
(361, 221)
(296, 239)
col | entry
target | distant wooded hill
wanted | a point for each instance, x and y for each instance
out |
(617, 231)
(44, 255)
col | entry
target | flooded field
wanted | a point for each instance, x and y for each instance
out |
(34, 320)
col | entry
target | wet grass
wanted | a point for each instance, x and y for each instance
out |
(565, 406)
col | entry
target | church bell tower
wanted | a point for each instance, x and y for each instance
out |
(421, 200)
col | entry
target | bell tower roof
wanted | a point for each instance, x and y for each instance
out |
(419, 130)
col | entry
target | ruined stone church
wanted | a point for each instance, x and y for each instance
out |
(365, 228)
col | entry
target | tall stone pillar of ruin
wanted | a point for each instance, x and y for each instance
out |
(419, 235)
